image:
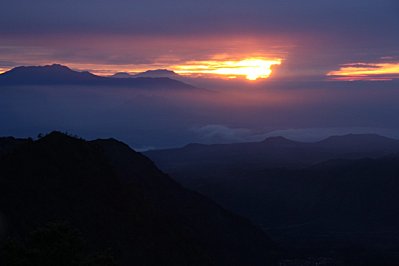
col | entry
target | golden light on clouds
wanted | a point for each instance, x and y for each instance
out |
(366, 71)
(224, 56)
(2, 70)
(251, 68)
(219, 66)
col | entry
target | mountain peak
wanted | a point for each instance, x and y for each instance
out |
(42, 75)
(121, 75)
(56, 135)
(57, 66)
(53, 67)
(277, 140)
(158, 73)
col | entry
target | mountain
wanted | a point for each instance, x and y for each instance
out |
(158, 73)
(45, 74)
(330, 203)
(121, 75)
(359, 143)
(8, 144)
(118, 199)
(62, 75)
(342, 209)
(336, 197)
(274, 152)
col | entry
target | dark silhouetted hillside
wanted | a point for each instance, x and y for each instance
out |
(8, 144)
(118, 199)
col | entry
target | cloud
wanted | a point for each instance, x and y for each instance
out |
(224, 134)
(194, 17)
(92, 34)
(367, 71)
(147, 119)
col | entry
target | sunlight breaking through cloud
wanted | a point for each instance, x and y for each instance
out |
(366, 71)
(250, 68)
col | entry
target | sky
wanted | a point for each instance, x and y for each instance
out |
(303, 69)
(312, 37)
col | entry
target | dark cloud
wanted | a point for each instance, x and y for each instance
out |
(193, 17)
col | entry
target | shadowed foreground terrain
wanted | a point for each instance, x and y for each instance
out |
(337, 198)
(119, 202)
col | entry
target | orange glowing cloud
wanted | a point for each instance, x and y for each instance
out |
(109, 69)
(2, 70)
(227, 56)
(251, 68)
(366, 71)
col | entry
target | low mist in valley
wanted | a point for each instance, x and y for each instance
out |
(146, 118)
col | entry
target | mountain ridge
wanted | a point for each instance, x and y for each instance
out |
(57, 74)
(158, 73)
(278, 151)
(336, 198)
(118, 199)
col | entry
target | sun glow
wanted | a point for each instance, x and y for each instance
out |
(250, 68)
(2, 70)
(366, 71)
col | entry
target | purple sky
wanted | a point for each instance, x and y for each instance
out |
(312, 37)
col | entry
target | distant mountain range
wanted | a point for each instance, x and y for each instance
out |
(62, 75)
(157, 73)
(122, 75)
(337, 196)
(118, 199)
(275, 152)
